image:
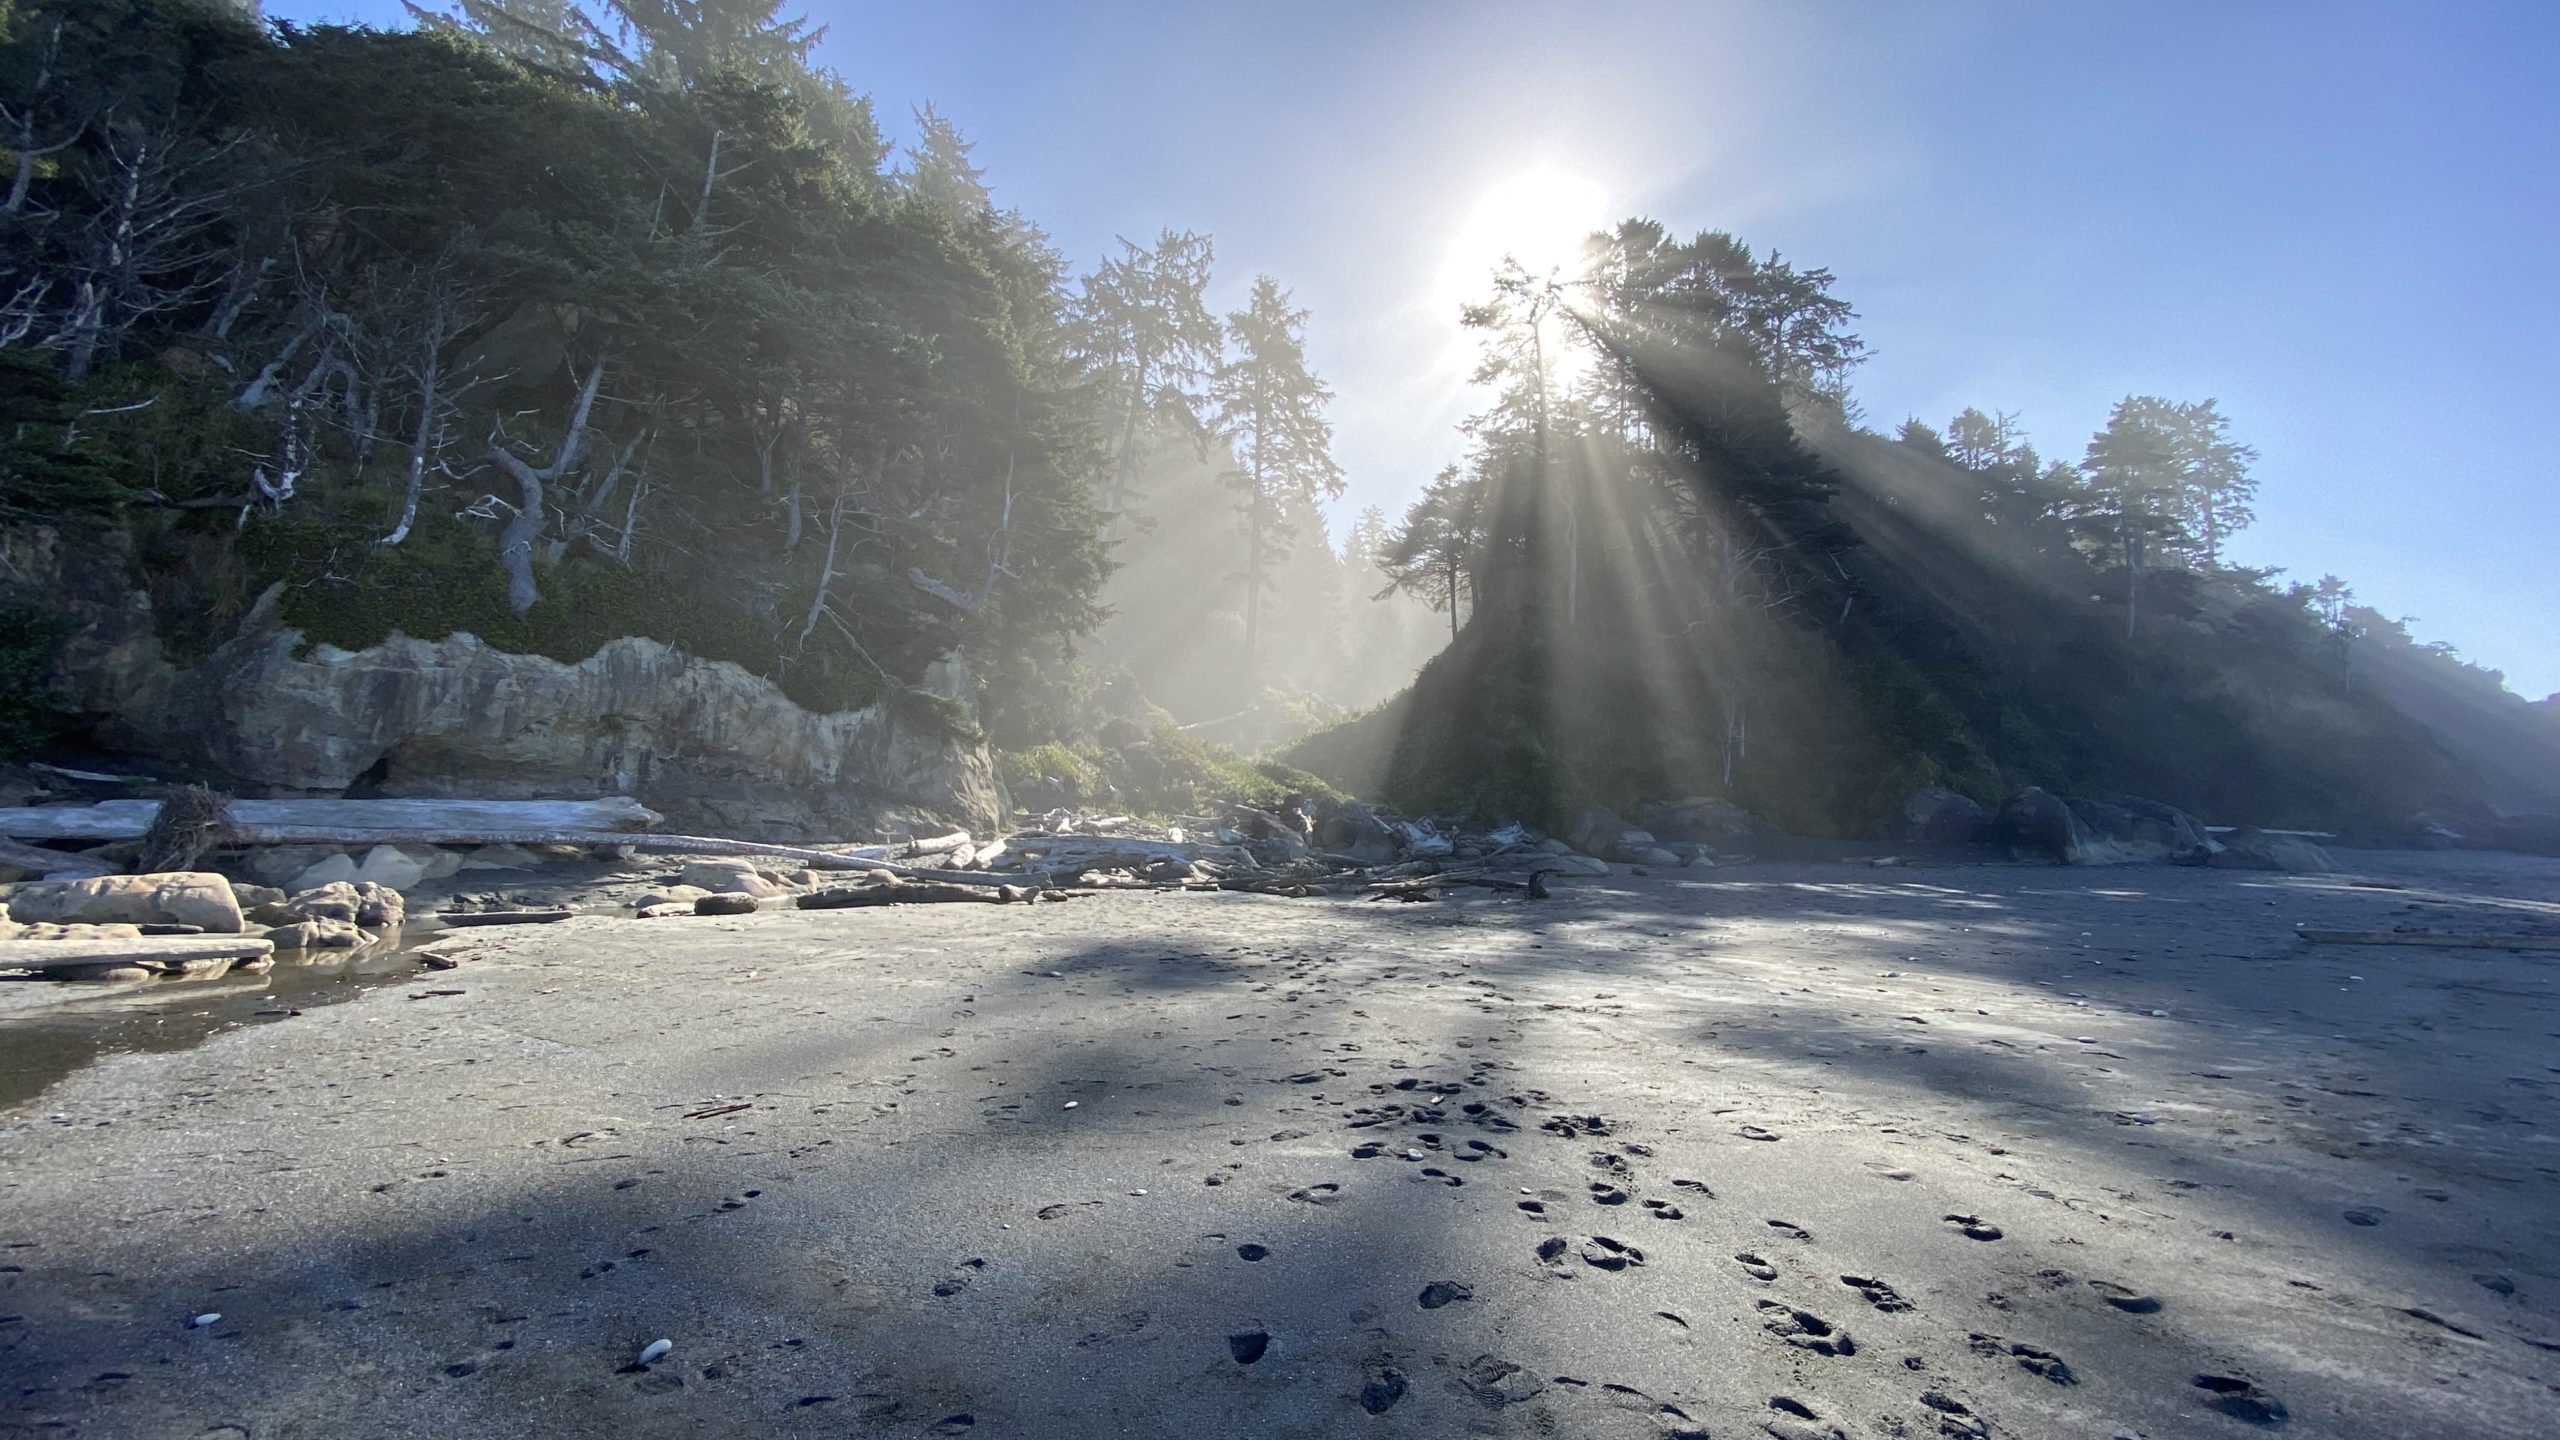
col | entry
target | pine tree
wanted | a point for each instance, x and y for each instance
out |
(1271, 411)
(939, 170)
(1434, 553)
(1148, 340)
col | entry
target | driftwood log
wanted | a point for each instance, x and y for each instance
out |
(897, 892)
(502, 917)
(153, 950)
(358, 821)
(52, 862)
(2440, 938)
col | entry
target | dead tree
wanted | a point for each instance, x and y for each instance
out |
(524, 529)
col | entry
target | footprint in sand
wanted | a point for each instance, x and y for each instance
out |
(1954, 1418)
(1792, 1419)
(1790, 1229)
(1253, 1252)
(1443, 1292)
(1496, 1382)
(2130, 1301)
(1755, 1267)
(1381, 1385)
(1877, 1293)
(2242, 1400)
(1601, 1252)
(1604, 1193)
(1695, 1187)
(1370, 1151)
(1663, 1210)
(1248, 1346)
(1804, 1329)
(1614, 1164)
(1974, 1227)
(1754, 1132)
(1324, 1193)
(959, 1278)
(2033, 1359)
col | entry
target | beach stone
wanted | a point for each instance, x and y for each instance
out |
(318, 935)
(500, 857)
(735, 902)
(338, 868)
(2181, 835)
(1352, 829)
(120, 974)
(362, 903)
(683, 895)
(2036, 824)
(1576, 865)
(250, 896)
(282, 865)
(1653, 855)
(48, 931)
(406, 867)
(730, 877)
(2250, 848)
(184, 897)
(1935, 815)
(1555, 847)
(663, 911)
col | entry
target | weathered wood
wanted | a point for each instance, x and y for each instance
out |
(654, 843)
(143, 950)
(2436, 938)
(345, 821)
(502, 917)
(935, 845)
(62, 863)
(909, 893)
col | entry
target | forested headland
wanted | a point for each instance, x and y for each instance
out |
(552, 323)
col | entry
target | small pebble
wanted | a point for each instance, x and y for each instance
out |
(207, 1318)
(1070, 1105)
(656, 1351)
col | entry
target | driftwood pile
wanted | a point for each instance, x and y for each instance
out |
(1239, 849)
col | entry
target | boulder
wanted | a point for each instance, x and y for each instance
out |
(185, 897)
(253, 895)
(318, 935)
(406, 867)
(661, 912)
(110, 973)
(1601, 831)
(1707, 818)
(2250, 848)
(734, 902)
(1348, 828)
(358, 903)
(500, 857)
(284, 865)
(2180, 837)
(731, 877)
(1652, 855)
(2037, 825)
(1574, 865)
(336, 868)
(1555, 847)
(1935, 815)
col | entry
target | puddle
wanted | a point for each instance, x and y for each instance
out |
(41, 1047)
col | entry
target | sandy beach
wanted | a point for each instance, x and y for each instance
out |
(1798, 1150)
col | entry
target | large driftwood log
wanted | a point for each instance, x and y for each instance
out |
(366, 821)
(52, 862)
(909, 893)
(2438, 938)
(143, 950)
(652, 843)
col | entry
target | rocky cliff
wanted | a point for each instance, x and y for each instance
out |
(709, 744)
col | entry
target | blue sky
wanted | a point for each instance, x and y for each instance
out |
(2339, 220)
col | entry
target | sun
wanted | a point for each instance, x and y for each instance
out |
(1539, 217)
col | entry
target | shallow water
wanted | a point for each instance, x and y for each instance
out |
(40, 1048)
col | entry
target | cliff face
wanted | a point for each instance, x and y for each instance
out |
(712, 746)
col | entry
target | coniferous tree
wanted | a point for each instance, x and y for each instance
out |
(939, 168)
(1271, 410)
(1149, 341)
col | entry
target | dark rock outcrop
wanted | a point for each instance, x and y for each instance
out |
(1938, 816)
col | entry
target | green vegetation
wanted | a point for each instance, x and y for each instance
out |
(1151, 769)
(30, 712)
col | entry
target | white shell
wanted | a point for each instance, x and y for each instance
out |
(657, 1350)
(207, 1318)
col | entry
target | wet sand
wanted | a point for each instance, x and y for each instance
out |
(1786, 1150)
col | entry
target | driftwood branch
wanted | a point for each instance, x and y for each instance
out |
(2433, 938)
(358, 821)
